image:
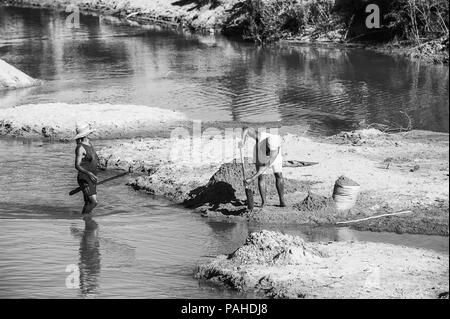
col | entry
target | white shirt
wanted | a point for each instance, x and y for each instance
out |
(267, 142)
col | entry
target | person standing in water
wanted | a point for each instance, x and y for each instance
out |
(267, 155)
(86, 160)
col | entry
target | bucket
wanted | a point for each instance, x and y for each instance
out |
(345, 193)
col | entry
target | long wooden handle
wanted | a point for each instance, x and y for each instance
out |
(243, 167)
(78, 189)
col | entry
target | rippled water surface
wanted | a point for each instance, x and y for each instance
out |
(212, 78)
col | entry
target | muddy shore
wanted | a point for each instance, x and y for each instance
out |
(283, 266)
(397, 172)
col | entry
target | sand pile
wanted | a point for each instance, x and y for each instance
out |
(345, 181)
(283, 266)
(357, 137)
(227, 185)
(12, 78)
(270, 248)
(58, 120)
(314, 202)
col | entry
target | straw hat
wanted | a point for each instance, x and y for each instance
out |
(83, 129)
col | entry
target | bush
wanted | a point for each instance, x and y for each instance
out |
(404, 19)
(267, 21)
(270, 20)
(417, 19)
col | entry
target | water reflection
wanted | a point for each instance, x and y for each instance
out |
(90, 257)
(212, 78)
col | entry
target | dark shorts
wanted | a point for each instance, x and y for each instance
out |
(88, 187)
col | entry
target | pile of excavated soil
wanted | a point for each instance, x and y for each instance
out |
(270, 248)
(284, 266)
(314, 203)
(12, 78)
(358, 137)
(58, 120)
(345, 181)
(227, 185)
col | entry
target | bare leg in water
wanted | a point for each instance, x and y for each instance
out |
(279, 181)
(89, 205)
(262, 189)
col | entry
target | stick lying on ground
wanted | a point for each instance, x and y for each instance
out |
(373, 217)
(295, 163)
(76, 190)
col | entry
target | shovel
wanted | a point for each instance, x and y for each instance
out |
(76, 190)
(248, 190)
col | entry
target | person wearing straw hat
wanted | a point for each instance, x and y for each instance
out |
(86, 160)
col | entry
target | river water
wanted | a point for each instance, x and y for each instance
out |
(211, 78)
(145, 247)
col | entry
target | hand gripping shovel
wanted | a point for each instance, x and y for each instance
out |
(248, 190)
(78, 189)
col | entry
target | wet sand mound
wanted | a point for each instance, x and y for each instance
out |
(12, 78)
(58, 120)
(274, 249)
(284, 266)
(314, 202)
(226, 186)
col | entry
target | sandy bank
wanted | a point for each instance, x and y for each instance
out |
(284, 266)
(12, 78)
(57, 120)
(397, 172)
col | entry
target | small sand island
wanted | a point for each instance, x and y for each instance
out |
(109, 121)
(12, 78)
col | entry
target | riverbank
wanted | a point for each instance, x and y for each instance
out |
(397, 172)
(234, 18)
(432, 52)
(108, 120)
(284, 266)
(194, 15)
(12, 78)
